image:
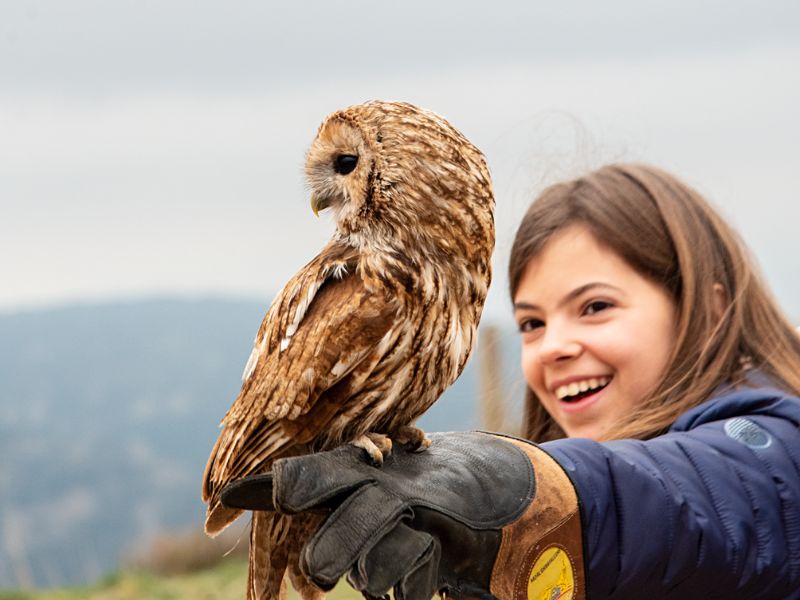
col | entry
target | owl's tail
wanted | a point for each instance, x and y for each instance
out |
(269, 554)
(275, 545)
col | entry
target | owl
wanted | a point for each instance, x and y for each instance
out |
(365, 337)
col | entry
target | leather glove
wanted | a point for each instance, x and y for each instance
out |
(474, 516)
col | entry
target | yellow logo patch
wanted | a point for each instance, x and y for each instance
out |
(551, 577)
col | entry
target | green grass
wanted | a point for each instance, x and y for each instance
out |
(224, 582)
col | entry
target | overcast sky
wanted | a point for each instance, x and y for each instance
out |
(156, 147)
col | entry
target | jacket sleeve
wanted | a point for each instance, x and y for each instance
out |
(712, 512)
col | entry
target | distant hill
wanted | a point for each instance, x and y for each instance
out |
(107, 415)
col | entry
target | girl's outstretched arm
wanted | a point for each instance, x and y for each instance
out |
(711, 509)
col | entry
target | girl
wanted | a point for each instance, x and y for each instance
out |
(663, 387)
(703, 320)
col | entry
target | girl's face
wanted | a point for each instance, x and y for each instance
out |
(596, 335)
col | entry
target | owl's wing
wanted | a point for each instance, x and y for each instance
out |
(344, 324)
(323, 325)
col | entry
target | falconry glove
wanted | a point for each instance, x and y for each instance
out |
(474, 516)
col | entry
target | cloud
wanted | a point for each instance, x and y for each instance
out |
(196, 193)
(96, 47)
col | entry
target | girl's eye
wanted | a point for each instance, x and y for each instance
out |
(595, 306)
(527, 325)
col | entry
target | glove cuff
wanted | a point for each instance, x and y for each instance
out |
(541, 553)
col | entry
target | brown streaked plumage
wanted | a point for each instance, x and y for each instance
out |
(370, 332)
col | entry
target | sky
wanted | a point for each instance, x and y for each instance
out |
(156, 148)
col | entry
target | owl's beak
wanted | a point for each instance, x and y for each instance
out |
(318, 204)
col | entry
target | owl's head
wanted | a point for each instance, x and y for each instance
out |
(390, 169)
(339, 165)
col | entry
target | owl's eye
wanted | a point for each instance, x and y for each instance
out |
(345, 163)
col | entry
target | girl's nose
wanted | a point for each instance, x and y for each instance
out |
(558, 345)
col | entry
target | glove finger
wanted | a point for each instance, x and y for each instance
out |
(395, 555)
(320, 479)
(423, 580)
(363, 518)
(250, 493)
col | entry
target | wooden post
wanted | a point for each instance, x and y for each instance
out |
(490, 384)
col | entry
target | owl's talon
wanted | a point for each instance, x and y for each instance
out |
(423, 445)
(412, 438)
(376, 446)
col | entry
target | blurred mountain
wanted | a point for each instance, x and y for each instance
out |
(107, 415)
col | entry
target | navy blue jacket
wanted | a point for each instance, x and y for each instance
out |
(711, 509)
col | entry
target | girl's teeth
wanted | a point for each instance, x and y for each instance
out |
(578, 387)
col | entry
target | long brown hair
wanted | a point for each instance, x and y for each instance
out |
(668, 233)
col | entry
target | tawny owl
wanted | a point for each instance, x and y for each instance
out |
(370, 332)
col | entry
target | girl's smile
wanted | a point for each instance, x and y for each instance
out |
(596, 335)
(580, 393)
